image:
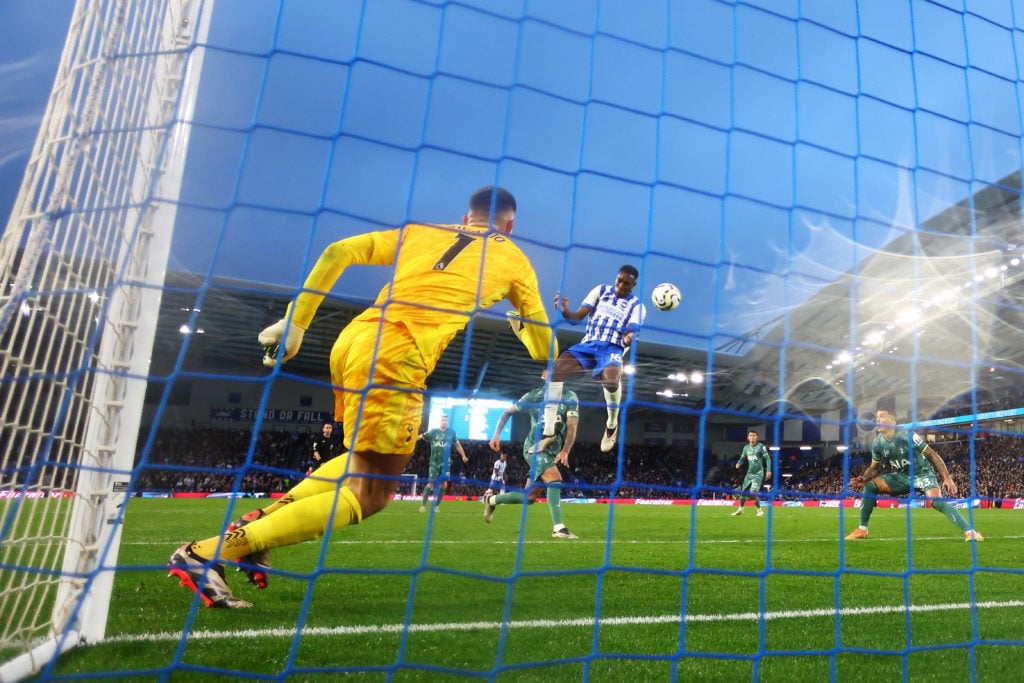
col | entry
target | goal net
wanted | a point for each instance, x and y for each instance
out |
(834, 187)
(82, 263)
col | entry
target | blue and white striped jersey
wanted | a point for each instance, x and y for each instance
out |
(611, 317)
(499, 470)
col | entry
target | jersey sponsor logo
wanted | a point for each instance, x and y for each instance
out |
(607, 309)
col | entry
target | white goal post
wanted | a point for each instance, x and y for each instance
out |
(82, 261)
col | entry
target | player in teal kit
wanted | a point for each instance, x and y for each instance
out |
(759, 468)
(912, 464)
(441, 441)
(542, 456)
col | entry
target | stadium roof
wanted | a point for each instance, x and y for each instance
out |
(926, 317)
(933, 314)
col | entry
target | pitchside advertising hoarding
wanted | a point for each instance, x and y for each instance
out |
(1004, 503)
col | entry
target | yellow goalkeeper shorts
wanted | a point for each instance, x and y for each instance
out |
(384, 418)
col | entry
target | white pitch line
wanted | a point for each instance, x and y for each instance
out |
(372, 629)
(684, 537)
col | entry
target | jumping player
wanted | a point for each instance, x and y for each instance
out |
(614, 314)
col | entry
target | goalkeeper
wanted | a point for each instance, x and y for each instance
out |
(443, 276)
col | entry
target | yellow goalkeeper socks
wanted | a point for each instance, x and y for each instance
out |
(314, 496)
(324, 478)
(306, 519)
(302, 520)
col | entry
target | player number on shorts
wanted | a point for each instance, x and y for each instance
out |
(461, 242)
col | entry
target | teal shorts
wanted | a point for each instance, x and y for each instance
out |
(538, 462)
(899, 482)
(752, 484)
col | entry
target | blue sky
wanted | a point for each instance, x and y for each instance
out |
(748, 152)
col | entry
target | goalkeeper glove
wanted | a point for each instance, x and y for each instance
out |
(272, 337)
(516, 323)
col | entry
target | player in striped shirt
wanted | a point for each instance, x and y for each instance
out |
(498, 476)
(614, 314)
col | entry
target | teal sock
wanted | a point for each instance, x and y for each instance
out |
(555, 504)
(952, 514)
(868, 502)
(426, 494)
(511, 498)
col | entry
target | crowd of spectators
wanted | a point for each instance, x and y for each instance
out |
(212, 460)
(209, 460)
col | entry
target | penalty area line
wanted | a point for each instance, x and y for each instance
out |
(383, 629)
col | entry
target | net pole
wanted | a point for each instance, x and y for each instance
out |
(148, 63)
(127, 342)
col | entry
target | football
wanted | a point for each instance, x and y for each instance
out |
(665, 296)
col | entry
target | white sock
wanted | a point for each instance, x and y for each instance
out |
(611, 399)
(551, 400)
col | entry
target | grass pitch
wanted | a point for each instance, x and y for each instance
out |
(646, 593)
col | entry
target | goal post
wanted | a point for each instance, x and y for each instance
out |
(82, 262)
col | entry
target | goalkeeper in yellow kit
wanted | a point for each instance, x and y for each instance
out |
(443, 276)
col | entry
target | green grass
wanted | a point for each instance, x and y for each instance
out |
(606, 607)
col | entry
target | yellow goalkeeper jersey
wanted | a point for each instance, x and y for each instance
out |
(444, 274)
